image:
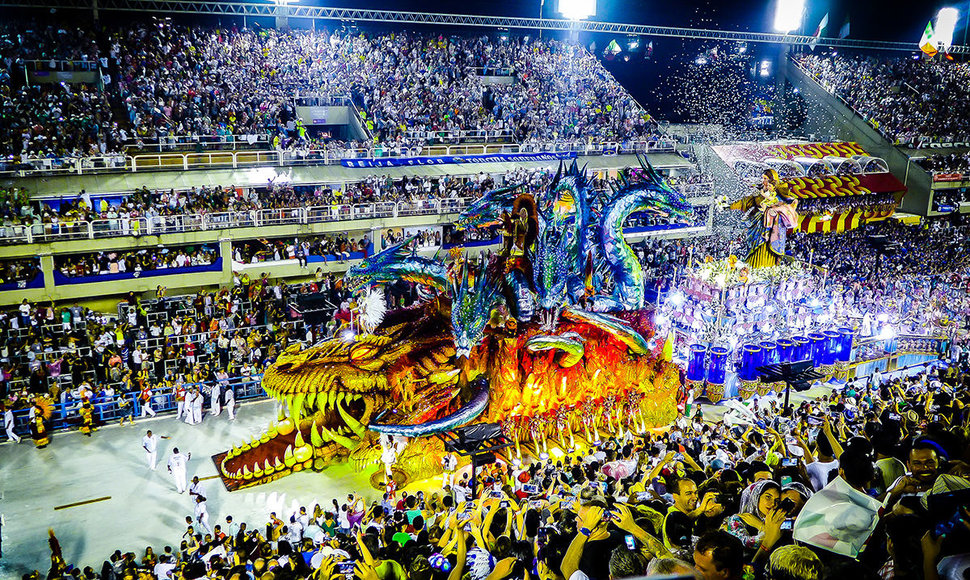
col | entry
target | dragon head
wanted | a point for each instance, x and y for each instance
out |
(398, 262)
(335, 391)
(487, 210)
(658, 195)
(474, 294)
(567, 199)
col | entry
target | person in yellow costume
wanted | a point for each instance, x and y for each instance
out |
(87, 418)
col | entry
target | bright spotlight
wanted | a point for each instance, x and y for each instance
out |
(677, 299)
(788, 15)
(347, 335)
(946, 23)
(887, 333)
(577, 9)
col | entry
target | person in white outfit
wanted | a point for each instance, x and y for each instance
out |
(150, 444)
(197, 407)
(388, 454)
(176, 466)
(215, 403)
(8, 426)
(231, 404)
(190, 405)
(202, 514)
(449, 463)
(196, 489)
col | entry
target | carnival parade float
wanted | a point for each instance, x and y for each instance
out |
(550, 339)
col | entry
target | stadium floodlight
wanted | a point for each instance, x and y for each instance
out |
(788, 15)
(577, 9)
(946, 24)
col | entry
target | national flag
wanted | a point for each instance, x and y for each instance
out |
(818, 31)
(612, 49)
(926, 43)
(838, 519)
(844, 31)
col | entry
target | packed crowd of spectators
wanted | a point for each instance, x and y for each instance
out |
(908, 100)
(876, 202)
(20, 270)
(711, 497)
(339, 246)
(114, 262)
(936, 248)
(167, 210)
(50, 119)
(411, 88)
(151, 343)
(946, 163)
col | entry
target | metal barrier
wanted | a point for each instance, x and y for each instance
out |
(432, 137)
(60, 65)
(312, 156)
(226, 142)
(157, 225)
(65, 415)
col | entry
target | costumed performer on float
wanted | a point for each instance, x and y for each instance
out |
(772, 214)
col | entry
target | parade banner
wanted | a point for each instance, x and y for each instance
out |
(456, 159)
(938, 177)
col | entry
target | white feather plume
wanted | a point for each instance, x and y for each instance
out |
(372, 309)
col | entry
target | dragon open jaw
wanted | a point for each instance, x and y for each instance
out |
(337, 393)
(322, 427)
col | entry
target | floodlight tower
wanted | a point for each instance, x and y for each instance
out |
(576, 10)
(788, 18)
(283, 13)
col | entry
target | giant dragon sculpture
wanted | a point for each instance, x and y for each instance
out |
(550, 342)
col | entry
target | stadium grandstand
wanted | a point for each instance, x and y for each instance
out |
(430, 291)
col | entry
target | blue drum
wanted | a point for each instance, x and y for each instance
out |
(750, 361)
(831, 351)
(803, 349)
(846, 336)
(785, 351)
(695, 362)
(818, 348)
(717, 367)
(769, 352)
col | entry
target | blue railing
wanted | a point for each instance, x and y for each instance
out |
(65, 415)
